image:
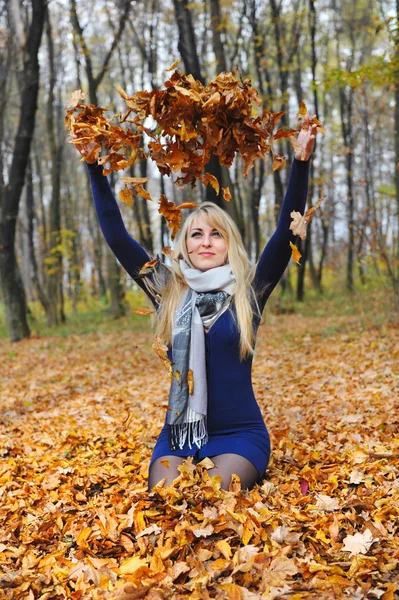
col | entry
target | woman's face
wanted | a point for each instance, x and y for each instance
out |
(205, 245)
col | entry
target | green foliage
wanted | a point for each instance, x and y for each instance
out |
(91, 316)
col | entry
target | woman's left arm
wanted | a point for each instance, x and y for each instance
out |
(276, 255)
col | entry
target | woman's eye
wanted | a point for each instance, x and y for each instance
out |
(195, 234)
(217, 233)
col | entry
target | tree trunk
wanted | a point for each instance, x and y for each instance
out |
(10, 279)
(307, 253)
(55, 315)
(30, 212)
(397, 134)
(188, 50)
(93, 83)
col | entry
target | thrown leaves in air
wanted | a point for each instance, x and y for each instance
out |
(143, 312)
(300, 222)
(295, 255)
(193, 122)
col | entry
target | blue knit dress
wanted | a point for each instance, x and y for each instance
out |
(234, 421)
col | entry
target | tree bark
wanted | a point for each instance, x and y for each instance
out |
(117, 306)
(188, 50)
(55, 314)
(30, 214)
(10, 278)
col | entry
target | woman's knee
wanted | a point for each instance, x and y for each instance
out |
(164, 467)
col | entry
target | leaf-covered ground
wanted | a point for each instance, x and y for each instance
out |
(80, 416)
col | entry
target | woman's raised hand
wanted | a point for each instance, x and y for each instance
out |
(86, 150)
(306, 139)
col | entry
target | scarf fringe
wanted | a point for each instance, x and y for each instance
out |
(192, 432)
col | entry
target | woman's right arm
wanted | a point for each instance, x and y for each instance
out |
(129, 253)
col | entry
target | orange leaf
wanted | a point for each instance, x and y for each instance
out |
(226, 194)
(296, 255)
(190, 382)
(278, 162)
(126, 196)
(143, 312)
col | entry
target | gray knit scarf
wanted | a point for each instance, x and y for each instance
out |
(207, 298)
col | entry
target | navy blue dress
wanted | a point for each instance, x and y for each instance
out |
(235, 423)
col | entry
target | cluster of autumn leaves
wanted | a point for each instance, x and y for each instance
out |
(192, 122)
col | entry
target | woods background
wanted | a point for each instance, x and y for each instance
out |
(340, 57)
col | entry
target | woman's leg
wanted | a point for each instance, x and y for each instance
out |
(168, 470)
(227, 464)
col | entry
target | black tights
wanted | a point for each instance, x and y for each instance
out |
(225, 466)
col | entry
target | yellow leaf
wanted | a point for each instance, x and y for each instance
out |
(233, 590)
(190, 382)
(173, 65)
(121, 92)
(134, 180)
(81, 540)
(303, 108)
(224, 548)
(126, 196)
(131, 565)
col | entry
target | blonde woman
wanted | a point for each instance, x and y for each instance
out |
(209, 304)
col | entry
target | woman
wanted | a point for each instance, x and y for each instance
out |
(209, 305)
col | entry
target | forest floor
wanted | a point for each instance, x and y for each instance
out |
(79, 416)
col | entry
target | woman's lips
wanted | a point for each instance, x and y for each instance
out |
(206, 254)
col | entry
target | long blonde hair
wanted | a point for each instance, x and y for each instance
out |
(244, 297)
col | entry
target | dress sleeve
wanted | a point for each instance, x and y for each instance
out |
(276, 255)
(129, 253)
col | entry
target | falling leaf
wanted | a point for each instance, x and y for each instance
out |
(161, 350)
(208, 178)
(303, 108)
(121, 92)
(148, 267)
(278, 162)
(299, 224)
(125, 195)
(75, 98)
(296, 255)
(165, 463)
(143, 312)
(190, 382)
(173, 65)
(359, 543)
(134, 180)
(226, 194)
